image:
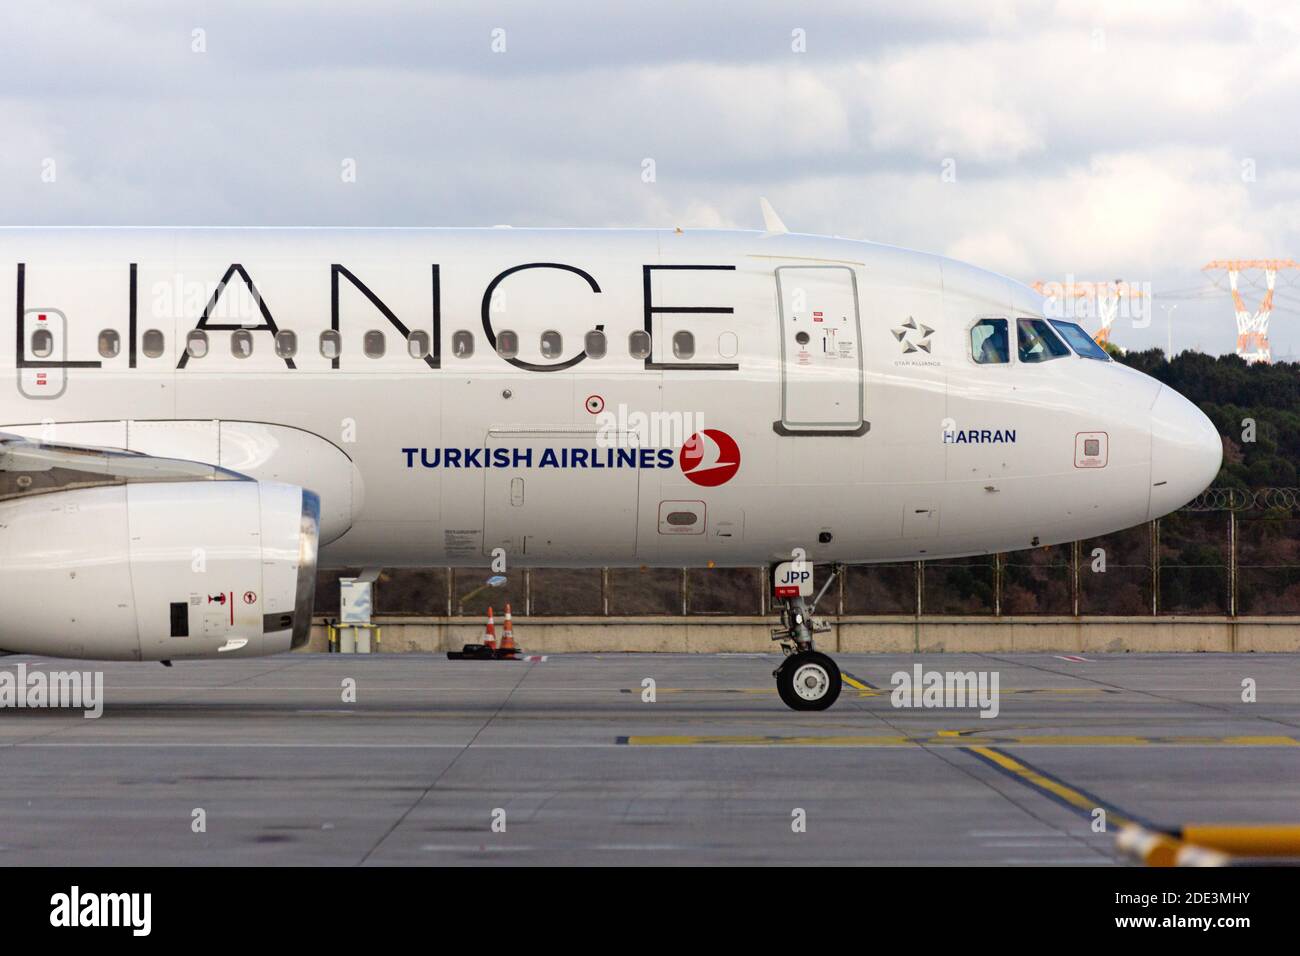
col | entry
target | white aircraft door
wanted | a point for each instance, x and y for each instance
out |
(45, 350)
(821, 352)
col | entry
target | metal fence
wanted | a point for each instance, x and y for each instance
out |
(1229, 553)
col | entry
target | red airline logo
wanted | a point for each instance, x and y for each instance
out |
(710, 458)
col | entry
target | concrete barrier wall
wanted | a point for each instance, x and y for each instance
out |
(856, 635)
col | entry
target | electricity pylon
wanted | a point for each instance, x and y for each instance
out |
(1104, 296)
(1252, 327)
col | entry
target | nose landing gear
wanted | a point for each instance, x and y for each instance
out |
(806, 679)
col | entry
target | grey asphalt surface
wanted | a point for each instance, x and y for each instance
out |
(285, 771)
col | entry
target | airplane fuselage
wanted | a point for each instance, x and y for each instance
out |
(444, 391)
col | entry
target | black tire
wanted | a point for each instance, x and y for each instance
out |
(815, 672)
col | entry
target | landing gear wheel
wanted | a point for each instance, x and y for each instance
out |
(808, 680)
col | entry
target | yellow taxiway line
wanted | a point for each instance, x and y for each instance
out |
(963, 738)
(1049, 786)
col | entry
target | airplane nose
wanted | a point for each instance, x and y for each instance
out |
(1186, 452)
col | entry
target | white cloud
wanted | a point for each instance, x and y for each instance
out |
(947, 101)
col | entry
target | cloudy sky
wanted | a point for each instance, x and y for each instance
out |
(1081, 138)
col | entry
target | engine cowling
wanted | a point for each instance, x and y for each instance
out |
(159, 571)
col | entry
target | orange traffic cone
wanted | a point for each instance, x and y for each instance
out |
(490, 636)
(508, 636)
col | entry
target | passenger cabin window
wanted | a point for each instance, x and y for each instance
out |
(110, 343)
(462, 344)
(988, 342)
(507, 344)
(286, 343)
(593, 343)
(683, 344)
(1080, 340)
(552, 344)
(638, 344)
(241, 344)
(42, 343)
(417, 344)
(196, 343)
(1037, 342)
(373, 344)
(152, 342)
(330, 344)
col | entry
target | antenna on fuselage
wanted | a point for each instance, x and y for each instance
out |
(772, 223)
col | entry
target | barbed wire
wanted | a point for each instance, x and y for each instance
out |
(1239, 499)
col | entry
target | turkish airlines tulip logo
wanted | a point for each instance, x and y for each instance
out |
(710, 458)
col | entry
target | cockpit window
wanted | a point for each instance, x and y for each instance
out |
(988, 342)
(1080, 340)
(1037, 341)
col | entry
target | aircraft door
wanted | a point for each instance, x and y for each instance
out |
(45, 351)
(821, 352)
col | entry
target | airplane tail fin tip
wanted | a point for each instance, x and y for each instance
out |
(772, 223)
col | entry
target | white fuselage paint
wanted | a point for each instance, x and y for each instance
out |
(897, 449)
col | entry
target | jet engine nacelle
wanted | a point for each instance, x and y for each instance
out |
(158, 571)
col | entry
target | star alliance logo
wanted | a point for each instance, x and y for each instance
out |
(913, 336)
